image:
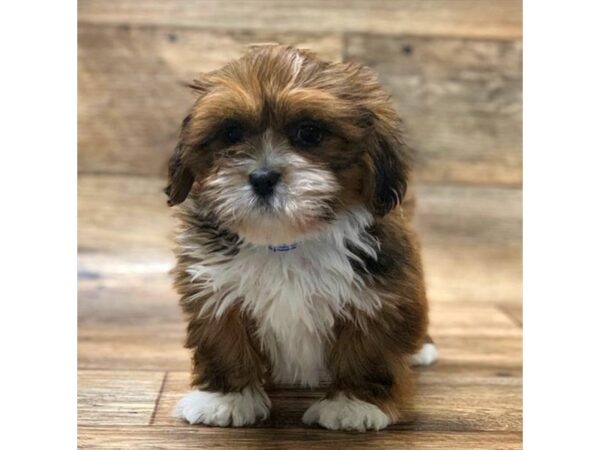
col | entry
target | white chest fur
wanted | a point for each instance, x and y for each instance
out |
(294, 296)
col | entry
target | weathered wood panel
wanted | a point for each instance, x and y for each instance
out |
(145, 346)
(117, 397)
(454, 69)
(132, 299)
(470, 319)
(124, 225)
(184, 438)
(471, 336)
(514, 311)
(132, 94)
(468, 18)
(145, 300)
(444, 402)
(461, 101)
(471, 235)
(472, 242)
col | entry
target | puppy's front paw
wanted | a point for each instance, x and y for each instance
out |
(344, 413)
(214, 408)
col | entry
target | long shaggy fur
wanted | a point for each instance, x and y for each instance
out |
(348, 304)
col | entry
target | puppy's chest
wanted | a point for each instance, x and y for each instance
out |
(295, 299)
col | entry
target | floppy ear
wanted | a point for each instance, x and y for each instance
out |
(389, 164)
(181, 178)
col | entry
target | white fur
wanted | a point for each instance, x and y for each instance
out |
(344, 413)
(294, 296)
(426, 356)
(299, 201)
(212, 408)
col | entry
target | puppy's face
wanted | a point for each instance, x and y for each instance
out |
(278, 143)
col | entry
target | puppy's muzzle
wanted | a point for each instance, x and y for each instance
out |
(263, 181)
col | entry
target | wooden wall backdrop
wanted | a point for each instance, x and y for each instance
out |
(453, 68)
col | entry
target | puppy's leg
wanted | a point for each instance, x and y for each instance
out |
(227, 374)
(372, 385)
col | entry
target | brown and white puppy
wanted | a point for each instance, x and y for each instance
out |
(295, 261)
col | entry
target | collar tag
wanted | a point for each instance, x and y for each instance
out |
(283, 247)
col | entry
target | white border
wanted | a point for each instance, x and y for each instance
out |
(561, 224)
(38, 226)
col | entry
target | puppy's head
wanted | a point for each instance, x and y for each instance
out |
(279, 142)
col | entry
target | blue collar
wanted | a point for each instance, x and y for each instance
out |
(283, 247)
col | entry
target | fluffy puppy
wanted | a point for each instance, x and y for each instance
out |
(295, 261)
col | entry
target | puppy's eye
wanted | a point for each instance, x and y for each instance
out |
(307, 135)
(232, 133)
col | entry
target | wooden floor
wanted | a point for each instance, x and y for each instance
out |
(132, 367)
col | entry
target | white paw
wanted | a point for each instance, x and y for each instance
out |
(234, 408)
(426, 356)
(343, 413)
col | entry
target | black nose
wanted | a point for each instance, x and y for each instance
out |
(263, 181)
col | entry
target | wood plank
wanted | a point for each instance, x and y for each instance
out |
(152, 345)
(471, 337)
(467, 353)
(171, 438)
(472, 18)
(132, 347)
(514, 311)
(471, 235)
(131, 87)
(143, 300)
(117, 397)
(156, 346)
(444, 402)
(129, 300)
(472, 242)
(124, 226)
(470, 319)
(461, 101)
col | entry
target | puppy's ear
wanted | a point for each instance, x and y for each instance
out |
(389, 163)
(181, 178)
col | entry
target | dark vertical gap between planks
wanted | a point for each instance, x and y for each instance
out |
(158, 397)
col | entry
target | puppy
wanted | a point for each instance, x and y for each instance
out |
(295, 263)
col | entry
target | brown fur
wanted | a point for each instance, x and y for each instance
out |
(364, 149)
(370, 360)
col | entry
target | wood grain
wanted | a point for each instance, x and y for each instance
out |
(461, 101)
(475, 319)
(129, 300)
(467, 352)
(132, 347)
(453, 68)
(514, 311)
(117, 397)
(460, 98)
(469, 18)
(444, 401)
(132, 94)
(169, 438)
(125, 227)
(470, 336)
(150, 300)
(472, 242)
